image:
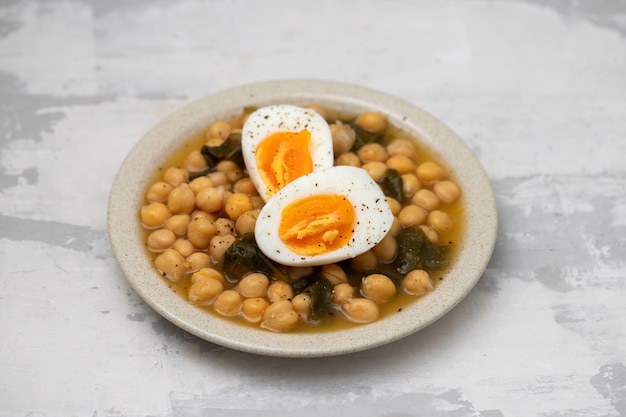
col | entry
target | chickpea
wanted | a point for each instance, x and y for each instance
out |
(219, 245)
(375, 169)
(253, 285)
(348, 159)
(178, 224)
(175, 176)
(197, 213)
(294, 273)
(410, 185)
(334, 274)
(430, 171)
(417, 282)
(343, 137)
(411, 215)
(182, 200)
(386, 249)
(213, 142)
(218, 178)
(220, 129)
(184, 246)
(394, 205)
(204, 291)
(319, 109)
(302, 305)
(365, 261)
(372, 121)
(396, 228)
(378, 287)
(197, 261)
(342, 292)
(225, 226)
(252, 309)
(200, 231)
(440, 221)
(280, 316)
(447, 191)
(404, 147)
(228, 303)
(227, 194)
(208, 273)
(360, 310)
(402, 164)
(279, 290)
(257, 202)
(195, 162)
(237, 204)
(430, 233)
(159, 191)
(232, 171)
(210, 199)
(199, 183)
(201, 214)
(160, 239)
(426, 198)
(372, 152)
(171, 265)
(245, 186)
(154, 215)
(247, 221)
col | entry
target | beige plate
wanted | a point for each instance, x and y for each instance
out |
(141, 164)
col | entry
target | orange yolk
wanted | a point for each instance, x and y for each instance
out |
(317, 224)
(282, 157)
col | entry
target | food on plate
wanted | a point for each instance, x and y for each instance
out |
(293, 218)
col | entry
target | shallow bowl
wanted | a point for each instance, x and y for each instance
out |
(141, 164)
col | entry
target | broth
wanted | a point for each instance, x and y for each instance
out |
(452, 238)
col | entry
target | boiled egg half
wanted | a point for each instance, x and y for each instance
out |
(323, 217)
(280, 143)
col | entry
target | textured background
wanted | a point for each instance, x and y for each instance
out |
(537, 89)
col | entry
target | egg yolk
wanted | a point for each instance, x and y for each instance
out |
(282, 157)
(317, 224)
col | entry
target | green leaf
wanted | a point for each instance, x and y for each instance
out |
(230, 150)
(391, 184)
(415, 251)
(363, 136)
(321, 292)
(244, 256)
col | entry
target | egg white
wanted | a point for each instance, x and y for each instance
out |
(285, 118)
(373, 216)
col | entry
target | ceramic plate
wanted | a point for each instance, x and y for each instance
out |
(141, 164)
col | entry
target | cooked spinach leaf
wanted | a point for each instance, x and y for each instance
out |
(391, 184)
(415, 251)
(230, 149)
(244, 256)
(363, 136)
(209, 157)
(321, 292)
